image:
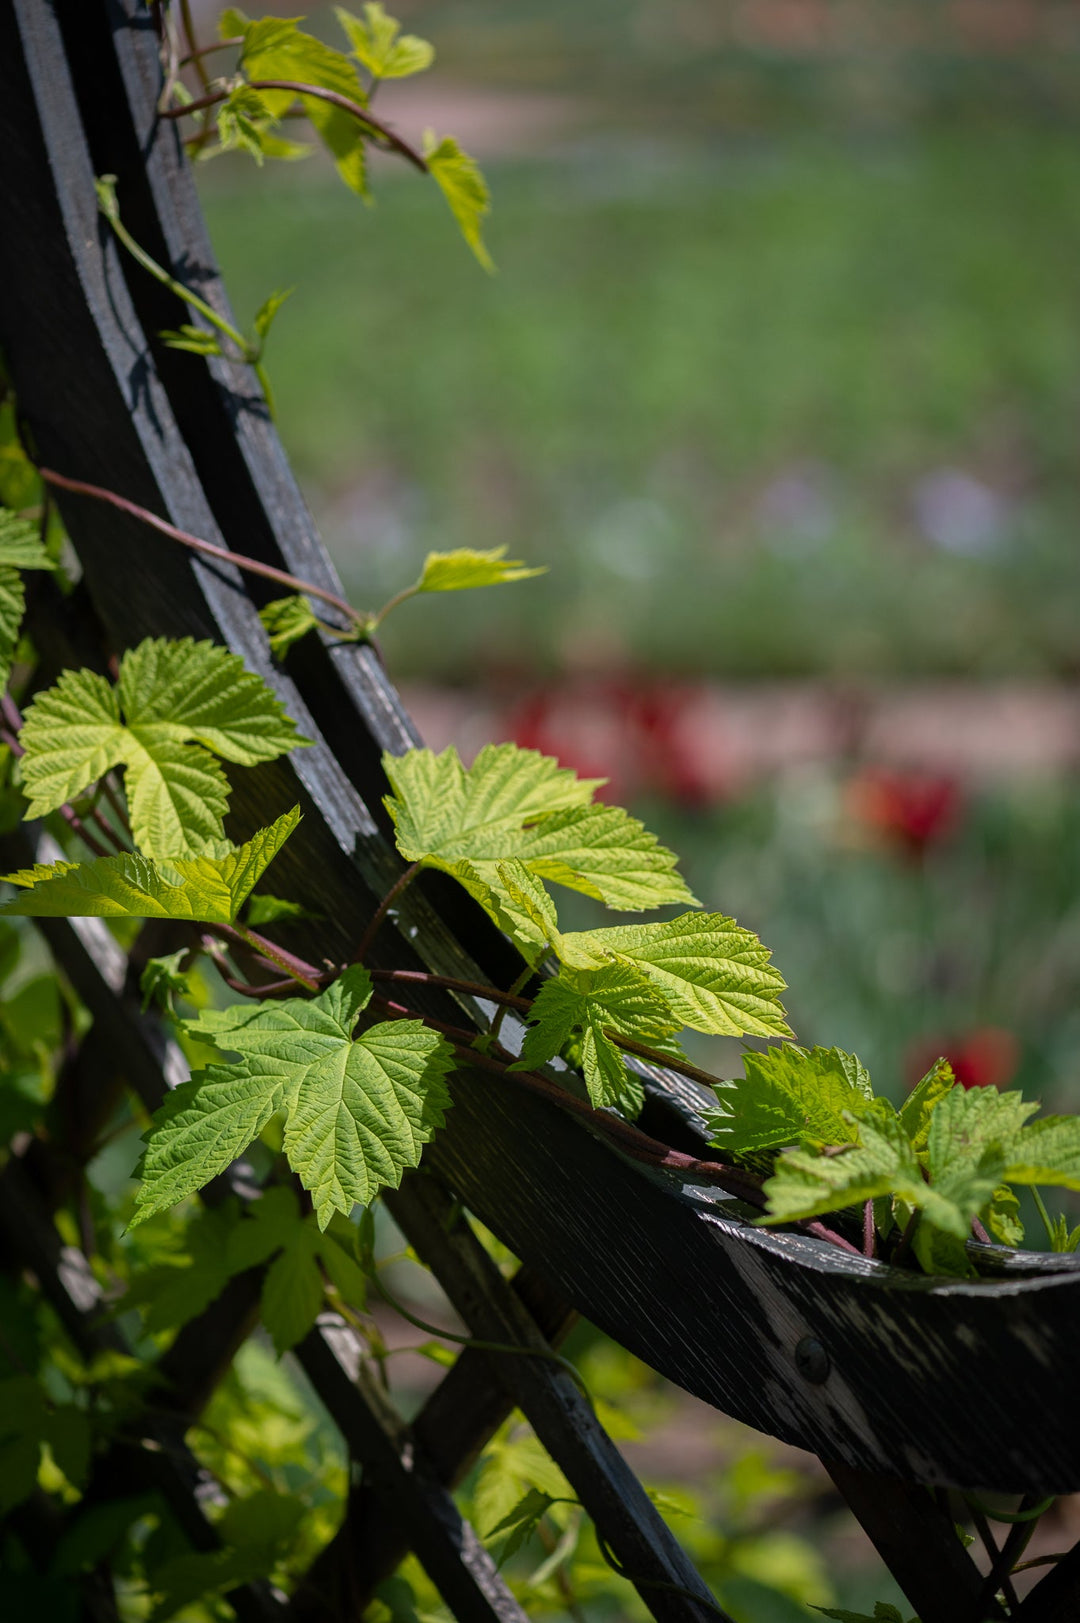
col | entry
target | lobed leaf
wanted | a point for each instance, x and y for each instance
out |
(791, 1095)
(21, 546)
(207, 889)
(182, 703)
(716, 975)
(461, 183)
(286, 620)
(358, 1112)
(589, 1004)
(465, 568)
(379, 45)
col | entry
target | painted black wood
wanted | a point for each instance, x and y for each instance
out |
(880, 1372)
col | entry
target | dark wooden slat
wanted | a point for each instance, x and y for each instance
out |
(554, 1405)
(1056, 1598)
(918, 1543)
(449, 1550)
(453, 1426)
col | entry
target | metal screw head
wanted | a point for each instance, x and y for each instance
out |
(812, 1361)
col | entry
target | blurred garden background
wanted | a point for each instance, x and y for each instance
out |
(780, 377)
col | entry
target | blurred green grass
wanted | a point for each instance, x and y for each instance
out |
(718, 389)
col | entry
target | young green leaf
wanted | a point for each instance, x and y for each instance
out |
(242, 120)
(205, 889)
(20, 548)
(265, 909)
(514, 804)
(174, 704)
(195, 340)
(791, 1095)
(162, 980)
(465, 568)
(287, 619)
(379, 45)
(589, 1004)
(275, 48)
(520, 1523)
(358, 1113)
(511, 1466)
(266, 314)
(464, 188)
(292, 1293)
(716, 976)
(918, 1107)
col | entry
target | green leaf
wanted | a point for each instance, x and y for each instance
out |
(193, 339)
(162, 980)
(791, 1095)
(20, 548)
(1062, 1238)
(266, 315)
(264, 909)
(275, 48)
(358, 1113)
(199, 1573)
(268, 1224)
(716, 976)
(12, 608)
(242, 120)
(510, 1468)
(883, 1613)
(231, 23)
(464, 188)
(20, 543)
(202, 889)
(180, 701)
(1002, 1217)
(589, 1004)
(287, 619)
(465, 568)
(520, 1523)
(918, 1107)
(513, 804)
(292, 1294)
(377, 46)
(522, 907)
(1047, 1151)
(883, 1163)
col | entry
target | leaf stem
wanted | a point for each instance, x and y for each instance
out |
(522, 980)
(450, 983)
(196, 54)
(403, 596)
(108, 206)
(668, 1062)
(306, 974)
(906, 1238)
(1040, 1206)
(547, 1353)
(252, 565)
(300, 87)
(869, 1235)
(401, 883)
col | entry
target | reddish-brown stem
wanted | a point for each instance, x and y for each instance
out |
(401, 883)
(10, 711)
(277, 957)
(979, 1232)
(195, 55)
(450, 983)
(76, 824)
(868, 1234)
(667, 1062)
(300, 88)
(208, 548)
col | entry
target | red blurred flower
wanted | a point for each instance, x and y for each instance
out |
(910, 810)
(985, 1058)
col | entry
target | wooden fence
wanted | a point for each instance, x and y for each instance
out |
(902, 1385)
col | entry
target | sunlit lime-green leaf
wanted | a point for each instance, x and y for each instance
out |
(589, 1004)
(203, 889)
(1046, 1151)
(464, 188)
(464, 568)
(515, 805)
(520, 1523)
(175, 707)
(716, 976)
(511, 1466)
(1002, 1217)
(275, 49)
(790, 1095)
(883, 1163)
(358, 1113)
(242, 120)
(287, 619)
(379, 45)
